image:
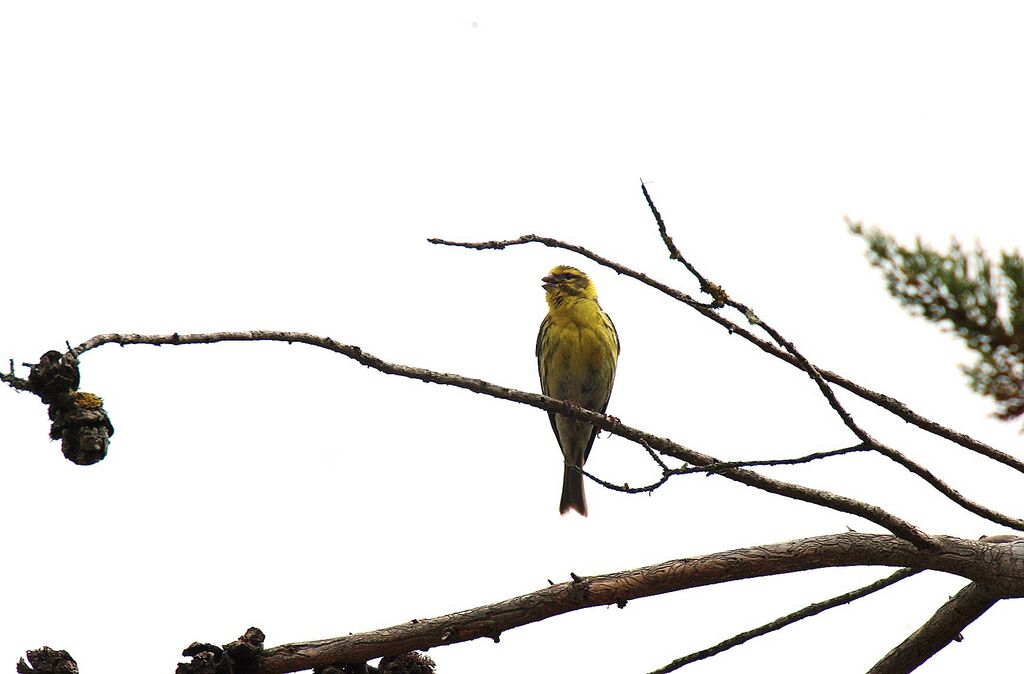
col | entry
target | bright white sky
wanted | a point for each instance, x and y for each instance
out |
(199, 166)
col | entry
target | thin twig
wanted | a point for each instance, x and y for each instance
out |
(774, 462)
(915, 468)
(948, 491)
(952, 494)
(826, 390)
(793, 357)
(896, 525)
(718, 295)
(654, 456)
(711, 469)
(625, 488)
(14, 381)
(722, 297)
(779, 623)
(886, 402)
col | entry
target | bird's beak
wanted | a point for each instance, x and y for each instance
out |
(549, 282)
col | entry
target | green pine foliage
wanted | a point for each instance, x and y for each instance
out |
(963, 291)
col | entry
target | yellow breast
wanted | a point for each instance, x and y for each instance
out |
(578, 354)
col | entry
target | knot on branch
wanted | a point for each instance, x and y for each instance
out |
(578, 588)
(47, 660)
(241, 656)
(78, 418)
(719, 297)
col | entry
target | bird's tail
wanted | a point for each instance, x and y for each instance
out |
(573, 497)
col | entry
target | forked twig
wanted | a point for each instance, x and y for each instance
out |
(889, 452)
(883, 401)
(792, 356)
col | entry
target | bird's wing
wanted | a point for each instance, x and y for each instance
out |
(611, 383)
(611, 324)
(544, 325)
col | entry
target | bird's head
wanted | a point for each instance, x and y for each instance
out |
(564, 282)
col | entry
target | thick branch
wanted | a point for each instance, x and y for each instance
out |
(945, 626)
(967, 558)
(872, 513)
(885, 402)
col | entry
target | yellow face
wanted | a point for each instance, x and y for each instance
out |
(563, 280)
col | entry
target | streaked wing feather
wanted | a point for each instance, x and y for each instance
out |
(611, 383)
(541, 335)
(611, 324)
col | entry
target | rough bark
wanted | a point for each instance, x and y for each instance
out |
(1001, 565)
(945, 626)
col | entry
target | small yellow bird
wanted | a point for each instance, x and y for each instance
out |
(577, 351)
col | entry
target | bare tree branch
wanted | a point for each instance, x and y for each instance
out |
(722, 298)
(667, 472)
(14, 381)
(717, 294)
(958, 556)
(953, 495)
(779, 623)
(995, 570)
(872, 513)
(814, 456)
(892, 454)
(949, 492)
(884, 401)
(790, 354)
(945, 626)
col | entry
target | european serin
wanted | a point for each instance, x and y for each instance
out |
(577, 350)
